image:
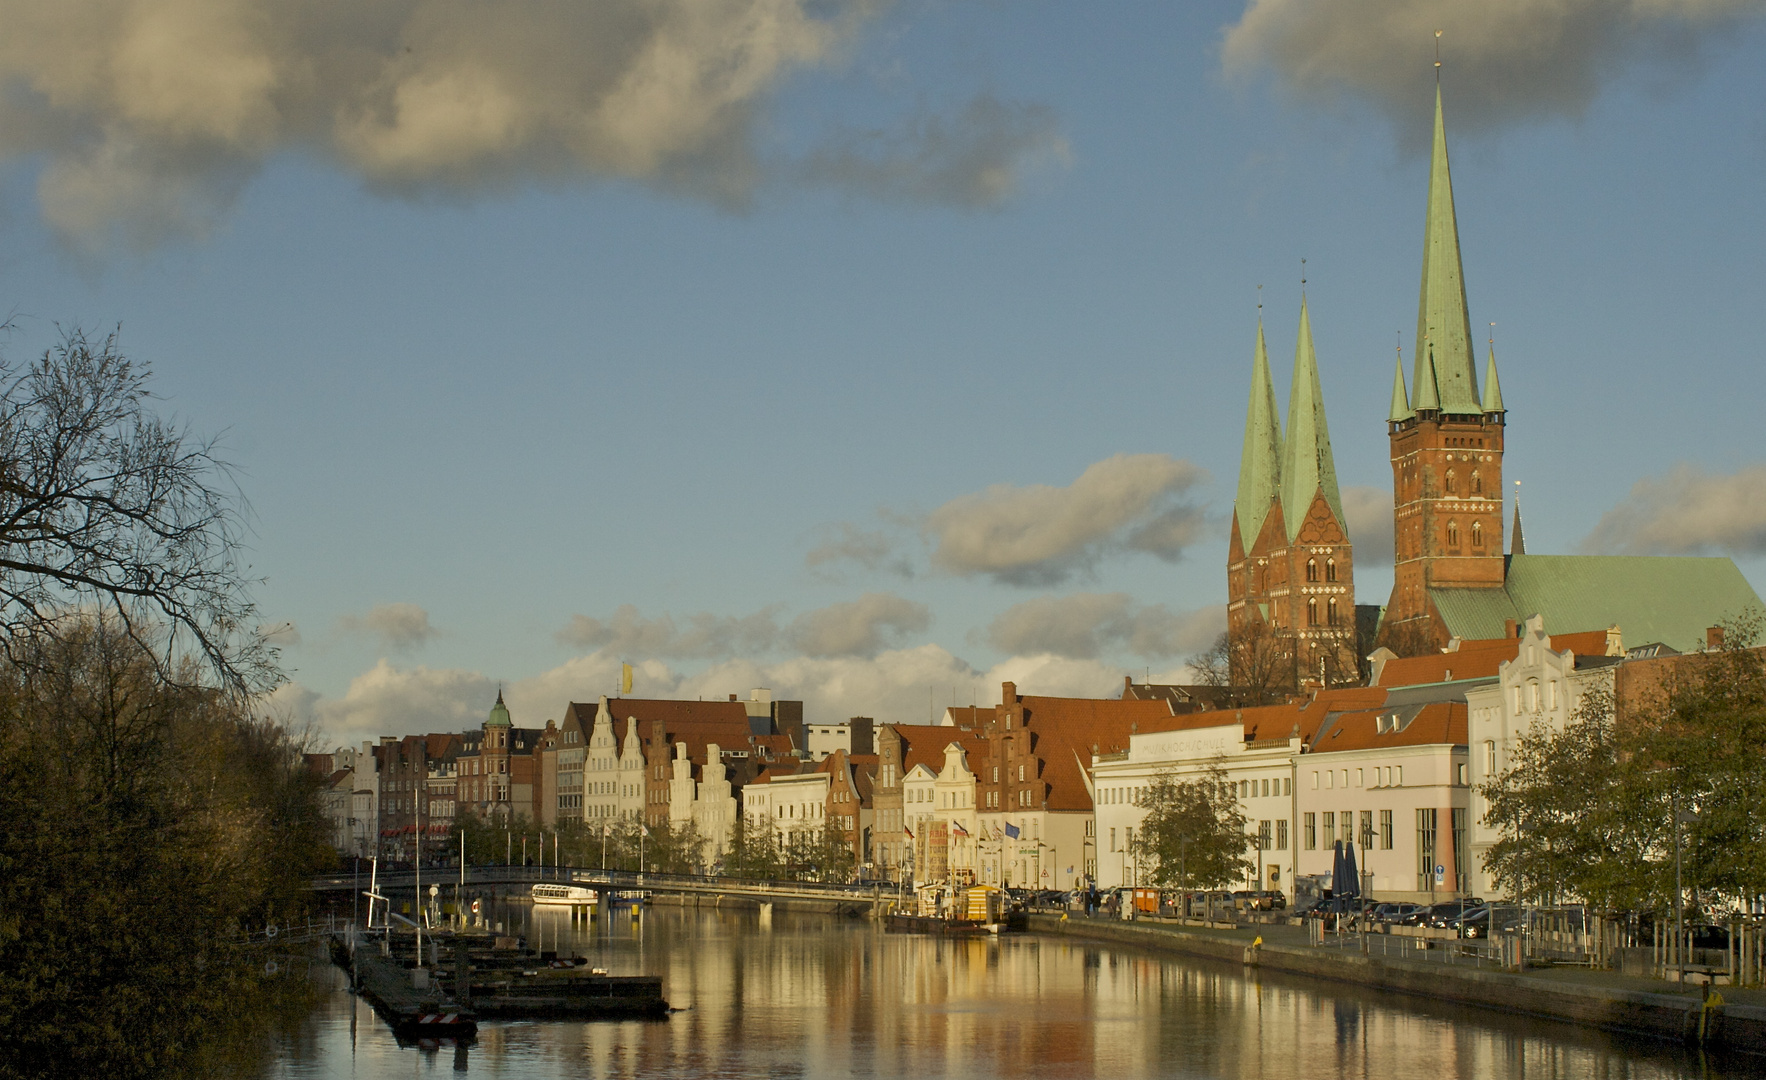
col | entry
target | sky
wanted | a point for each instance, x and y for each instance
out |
(870, 352)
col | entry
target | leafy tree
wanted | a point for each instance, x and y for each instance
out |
(1194, 831)
(834, 859)
(753, 850)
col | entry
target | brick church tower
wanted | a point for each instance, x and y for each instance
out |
(1290, 567)
(1446, 441)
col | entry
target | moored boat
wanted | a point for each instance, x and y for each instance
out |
(552, 894)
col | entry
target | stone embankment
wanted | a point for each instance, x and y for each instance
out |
(1599, 999)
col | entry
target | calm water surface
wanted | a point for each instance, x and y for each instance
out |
(813, 996)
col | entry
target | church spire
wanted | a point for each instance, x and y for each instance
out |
(1307, 465)
(1492, 388)
(1441, 318)
(1401, 409)
(1517, 543)
(1260, 466)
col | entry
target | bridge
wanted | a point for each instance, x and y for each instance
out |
(871, 895)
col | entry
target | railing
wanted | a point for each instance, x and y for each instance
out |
(610, 879)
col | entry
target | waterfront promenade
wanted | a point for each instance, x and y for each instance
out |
(1603, 999)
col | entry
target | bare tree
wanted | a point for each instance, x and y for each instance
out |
(106, 507)
(1253, 662)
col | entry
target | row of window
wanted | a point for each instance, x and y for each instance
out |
(1343, 827)
(1332, 618)
(1330, 570)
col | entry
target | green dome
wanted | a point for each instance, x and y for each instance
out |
(499, 713)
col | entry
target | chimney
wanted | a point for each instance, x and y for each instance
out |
(1127, 685)
(1510, 629)
(732, 697)
(1714, 638)
(1008, 693)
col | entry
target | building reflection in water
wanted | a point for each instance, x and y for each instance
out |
(813, 996)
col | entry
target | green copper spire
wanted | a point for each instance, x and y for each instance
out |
(1401, 409)
(1260, 468)
(1307, 467)
(1427, 397)
(499, 713)
(1492, 388)
(1441, 317)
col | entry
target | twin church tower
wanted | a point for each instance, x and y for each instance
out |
(1291, 567)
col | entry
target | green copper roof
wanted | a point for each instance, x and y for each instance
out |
(1443, 329)
(1492, 388)
(1307, 466)
(1401, 409)
(1650, 598)
(1260, 468)
(499, 713)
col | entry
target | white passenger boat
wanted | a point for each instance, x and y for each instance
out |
(563, 895)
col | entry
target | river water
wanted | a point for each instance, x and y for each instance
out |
(814, 996)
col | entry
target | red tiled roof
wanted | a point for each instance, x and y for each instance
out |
(1065, 731)
(923, 744)
(1480, 659)
(1435, 723)
(695, 723)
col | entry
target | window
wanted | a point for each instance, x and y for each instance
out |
(1330, 779)
(1453, 534)
(1477, 484)
(1331, 611)
(1263, 836)
(1343, 775)
(1551, 694)
(1359, 777)
(1309, 831)
(1020, 774)
(1477, 534)
(1266, 788)
(1385, 830)
(1426, 820)
(1452, 486)
(1311, 569)
(1462, 770)
(1315, 780)
(1330, 826)
(1312, 612)
(1287, 786)
(1398, 775)
(1490, 757)
(1533, 695)
(1459, 847)
(1347, 820)
(996, 774)
(1281, 834)
(1330, 569)
(1367, 829)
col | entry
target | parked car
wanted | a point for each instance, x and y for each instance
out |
(1210, 905)
(1273, 899)
(1339, 912)
(1246, 900)
(1446, 915)
(1491, 919)
(1389, 913)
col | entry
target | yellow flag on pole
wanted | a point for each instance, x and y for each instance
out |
(625, 678)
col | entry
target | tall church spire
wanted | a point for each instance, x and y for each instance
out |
(1260, 466)
(1492, 388)
(1307, 465)
(1441, 318)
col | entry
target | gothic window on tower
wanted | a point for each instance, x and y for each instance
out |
(1312, 612)
(1477, 534)
(1311, 569)
(1452, 485)
(1453, 534)
(1477, 484)
(1331, 610)
(1330, 569)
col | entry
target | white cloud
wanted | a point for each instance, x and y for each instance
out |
(705, 636)
(1504, 59)
(862, 627)
(1687, 512)
(873, 549)
(898, 686)
(1369, 510)
(1087, 625)
(152, 115)
(1041, 535)
(399, 627)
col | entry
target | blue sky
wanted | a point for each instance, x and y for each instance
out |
(942, 254)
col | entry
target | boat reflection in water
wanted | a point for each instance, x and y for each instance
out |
(816, 996)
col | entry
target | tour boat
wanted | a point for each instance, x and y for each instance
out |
(563, 895)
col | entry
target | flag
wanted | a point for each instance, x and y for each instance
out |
(909, 831)
(625, 678)
(606, 830)
(1012, 830)
(957, 825)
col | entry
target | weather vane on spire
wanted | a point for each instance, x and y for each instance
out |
(1437, 54)
(1260, 302)
(1303, 275)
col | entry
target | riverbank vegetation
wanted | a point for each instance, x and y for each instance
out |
(152, 823)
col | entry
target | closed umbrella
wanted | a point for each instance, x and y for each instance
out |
(1337, 883)
(1351, 887)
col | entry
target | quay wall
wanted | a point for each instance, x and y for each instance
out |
(1666, 1016)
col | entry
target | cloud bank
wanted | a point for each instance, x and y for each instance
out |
(1369, 510)
(1088, 625)
(1043, 535)
(898, 686)
(1687, 512)
(153, 114)
(1505, 60)
(862, 627)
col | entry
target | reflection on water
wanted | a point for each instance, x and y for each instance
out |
(816, 996)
